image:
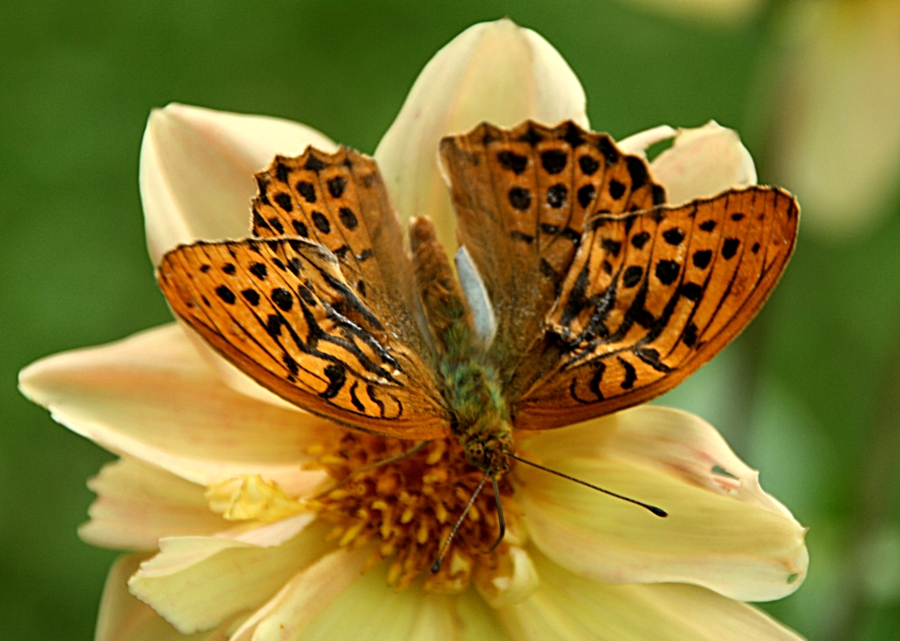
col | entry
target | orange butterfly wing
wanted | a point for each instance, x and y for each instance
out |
(331, 331)
(652, 296)
(522, 197)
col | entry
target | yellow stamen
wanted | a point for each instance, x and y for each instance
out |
(409, 505)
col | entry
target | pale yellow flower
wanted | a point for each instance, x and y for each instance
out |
(216, 485)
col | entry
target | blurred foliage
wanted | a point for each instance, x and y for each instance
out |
(809, 394)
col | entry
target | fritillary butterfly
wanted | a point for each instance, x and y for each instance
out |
(580, 291)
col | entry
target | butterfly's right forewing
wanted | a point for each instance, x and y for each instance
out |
(652, 296)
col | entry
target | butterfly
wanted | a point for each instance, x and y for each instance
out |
(578, 291)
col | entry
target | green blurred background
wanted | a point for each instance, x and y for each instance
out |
(810, 394)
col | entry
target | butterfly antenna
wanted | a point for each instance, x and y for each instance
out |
(652, 508)
(437, 562)
(500, 518)
(397, 457)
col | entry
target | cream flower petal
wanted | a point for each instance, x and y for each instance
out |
(124, 617)
(571, 608)
(196, 171)
(703, 162)
(138, 503)
(367, 609)
(723, 532)
(235, 576)
(231, 375)
(639, 142)
(494, 71)
(510, 584)
(152, 397)
(304, 597)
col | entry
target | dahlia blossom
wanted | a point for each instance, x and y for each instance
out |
(225, 495)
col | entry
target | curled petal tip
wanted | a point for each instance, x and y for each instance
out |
(702, 162)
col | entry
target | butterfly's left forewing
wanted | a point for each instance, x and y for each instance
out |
(320, 307)
(652, 296)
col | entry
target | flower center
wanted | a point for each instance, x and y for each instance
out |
(409, 506)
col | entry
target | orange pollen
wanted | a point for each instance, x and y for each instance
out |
(408, 507)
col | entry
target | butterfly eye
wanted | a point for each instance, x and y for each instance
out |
(475, 453)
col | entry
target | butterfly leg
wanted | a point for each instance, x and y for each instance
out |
(500, 519)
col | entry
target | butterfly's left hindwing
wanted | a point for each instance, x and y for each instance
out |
(652, 296)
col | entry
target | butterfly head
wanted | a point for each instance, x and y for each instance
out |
(489, 452)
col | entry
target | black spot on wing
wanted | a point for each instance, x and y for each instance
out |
(225, 294)
(283, 299)
(516, 163)
(557, 195)
(632, 275)
(638, 171)
(520, 198)
(336, 186)
(355, 399)
(690, 335)
(348, 218)
(314, 163)
(673, 236)
(307, 190)
(532, 137)
(630, 373)
(321, 222)
(589, 166)
(611, 246)
(667, 271)
(616, 189)
(337, 376)
(554, 160)
(702, 258)
(284, 201)
(640, 239)
(251, 296)
(606, 147)
(691, 291)
(273, 325)
(291, 364)
(585, 195)
(651, 357)
(659, 195)
(730, 247)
